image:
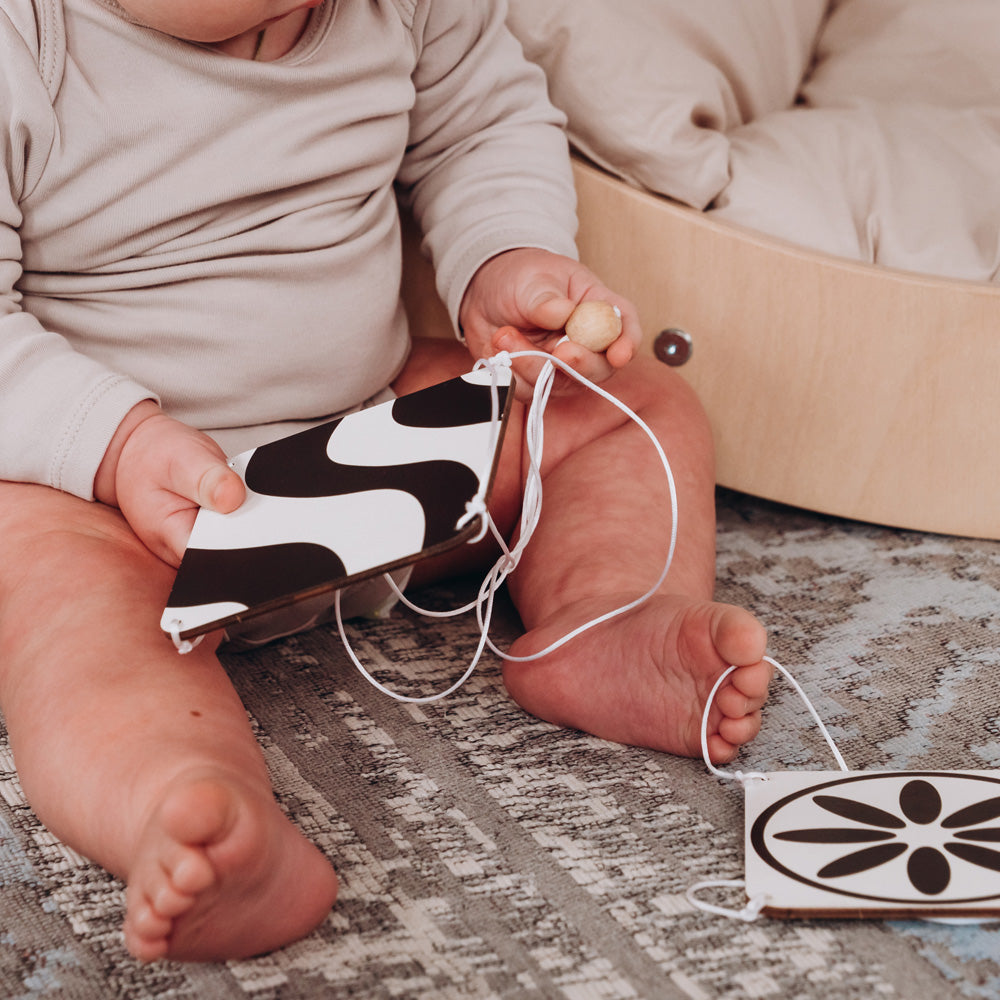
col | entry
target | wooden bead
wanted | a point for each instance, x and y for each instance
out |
(594, 325)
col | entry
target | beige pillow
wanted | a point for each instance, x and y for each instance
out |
(944, 53)
(908, 186)
(650, 87)
(894, 152)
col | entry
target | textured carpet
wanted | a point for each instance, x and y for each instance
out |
(485, 854)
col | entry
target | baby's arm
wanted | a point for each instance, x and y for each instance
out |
(487, 174)
(60, 409)
(158, 472)
(487, 166)
(521, 300)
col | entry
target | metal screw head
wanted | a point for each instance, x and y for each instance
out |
(673, 346)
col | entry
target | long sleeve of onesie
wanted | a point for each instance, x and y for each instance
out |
(54, 446)
(487, 166)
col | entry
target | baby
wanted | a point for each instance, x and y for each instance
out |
(200, 252)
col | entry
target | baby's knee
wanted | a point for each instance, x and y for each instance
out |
(658, 381)
(660, 393)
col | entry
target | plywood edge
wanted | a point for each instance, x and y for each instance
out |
(834, 385)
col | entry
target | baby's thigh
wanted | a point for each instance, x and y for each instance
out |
(432, 360)
(67, 560)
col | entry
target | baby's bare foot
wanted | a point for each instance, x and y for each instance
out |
(644, 678)
(221, 873)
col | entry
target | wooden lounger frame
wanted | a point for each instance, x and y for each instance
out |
(833, 385)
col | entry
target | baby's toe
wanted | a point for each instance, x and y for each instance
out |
(753, 681)
(169, 902)
(721, 751)
(741, 730)
(734, 704)
(146, 923)
(146, 932)
(147, 949)
(166, 885)
(737, 636)
(191, 872)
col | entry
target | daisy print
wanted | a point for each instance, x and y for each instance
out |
(880, 839)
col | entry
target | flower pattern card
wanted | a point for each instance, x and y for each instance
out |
(349, 499)
(874, 844)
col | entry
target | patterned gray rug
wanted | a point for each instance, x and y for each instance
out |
(485, 854)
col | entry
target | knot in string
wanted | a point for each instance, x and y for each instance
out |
(501, 361)
(476, 507)
(744, 779)
(182, 646)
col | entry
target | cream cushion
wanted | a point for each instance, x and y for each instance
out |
(652, 87)
(869, 129)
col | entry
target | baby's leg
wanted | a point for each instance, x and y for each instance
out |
(139, 758)
(601, 542)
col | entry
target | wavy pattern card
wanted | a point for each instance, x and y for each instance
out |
(348, 499)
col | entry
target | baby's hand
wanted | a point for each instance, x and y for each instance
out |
(522, 299)
(158, 472)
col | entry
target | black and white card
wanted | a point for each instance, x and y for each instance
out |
(874, 844)
(349, 499)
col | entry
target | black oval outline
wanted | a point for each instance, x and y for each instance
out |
(757, 836)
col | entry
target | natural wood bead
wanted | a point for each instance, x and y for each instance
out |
(594, 325)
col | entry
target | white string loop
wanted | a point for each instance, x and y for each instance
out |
(476, 507)
(412, 699)
(183, 646)
(739, 776)
(531, 510)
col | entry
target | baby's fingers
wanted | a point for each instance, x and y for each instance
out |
(604, 334)
(592, 366)
(220, 489)
(527, 370)
(190, 486)
(166, 471)
(190, 465)
(204, 480)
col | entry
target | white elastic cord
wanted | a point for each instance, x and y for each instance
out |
(533, 493)
(476, 507)
(530, 513)
(739, 776)
(410, 699)
(756, 775)
(748, 914)
(753, 909)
